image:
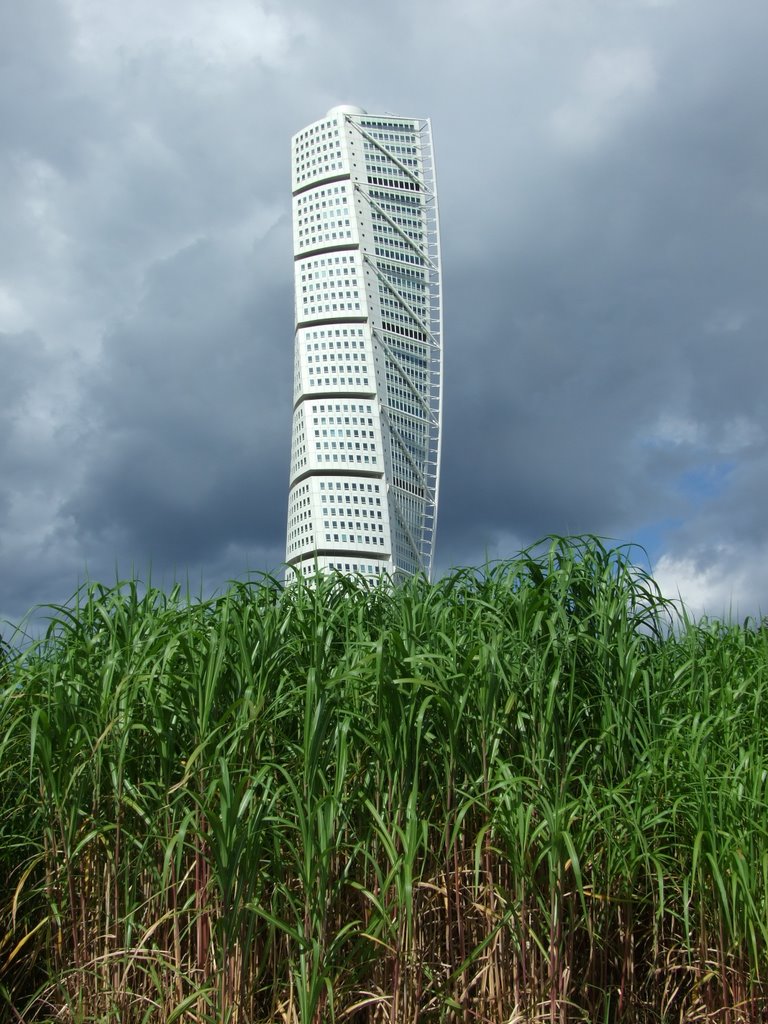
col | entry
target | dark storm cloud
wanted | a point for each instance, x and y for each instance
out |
(150, 236)
(600, 333)
(20, 353)
(190, 395)
(602, 173)
(628, 294)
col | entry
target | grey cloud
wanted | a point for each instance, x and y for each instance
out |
(188, 453)
(44, 105)
(21, 359)
(599, 328)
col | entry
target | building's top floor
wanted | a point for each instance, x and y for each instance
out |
(328, 148)
(336, 116)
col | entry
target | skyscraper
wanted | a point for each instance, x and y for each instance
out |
(365, 453)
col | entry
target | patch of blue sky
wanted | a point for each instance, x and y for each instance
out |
(651, 538)
(702, 483)
(697, 485)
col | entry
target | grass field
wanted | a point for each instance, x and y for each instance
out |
(529, 792)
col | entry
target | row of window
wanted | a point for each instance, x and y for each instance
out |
(343, 407)
(325, 236)
(352, 538)
(352, 485)
(368, 460)
(351, 500)
(404, 332)
(370, 570)
(331, 307)
(398, 183)
(350, 524)
(323, 286)
(342, 382)
(400, 257)
(340, 345)
(328, 262)
(332, 332)
(378, 130)
(333, 366)
(344, 433)
(321, 231)
(350, 457)
(344, 445)
(413, 206)
(321, 195)
(397, 150)
(308, 569)
(376, 161)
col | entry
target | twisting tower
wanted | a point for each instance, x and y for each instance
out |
(365, 454)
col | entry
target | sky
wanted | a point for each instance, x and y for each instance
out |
(602, 169)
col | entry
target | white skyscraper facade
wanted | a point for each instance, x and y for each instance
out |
(365, 453)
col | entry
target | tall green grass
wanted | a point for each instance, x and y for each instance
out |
(531, 792)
